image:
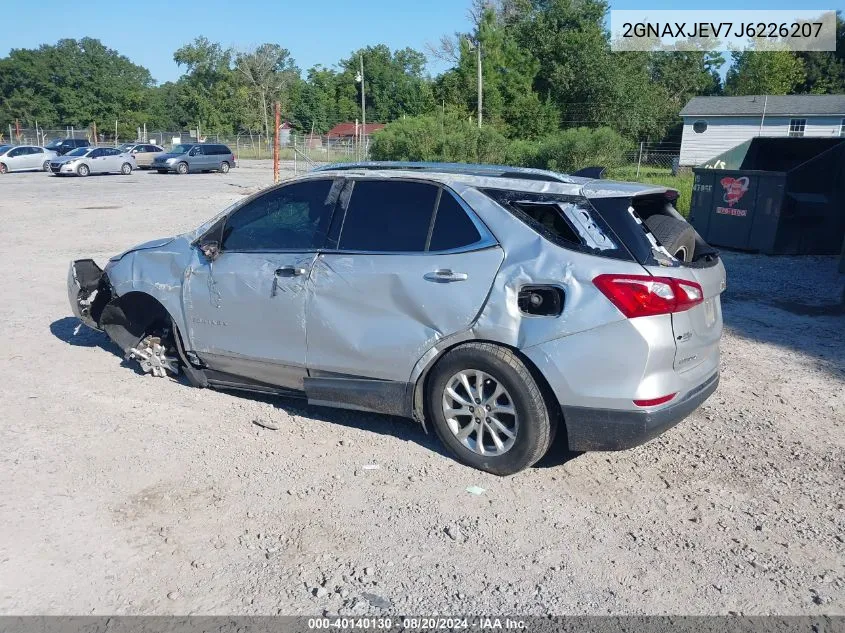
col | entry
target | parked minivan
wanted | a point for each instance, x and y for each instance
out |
(63, 146)
(195, 157)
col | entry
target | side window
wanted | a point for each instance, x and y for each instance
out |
(18, 151)
(388, 216)
(452, 226)
(96, 153)
(198, 151)
(294, 217)
(36, 150)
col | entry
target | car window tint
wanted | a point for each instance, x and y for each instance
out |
(36, 150)
(388, 216)
(96, 153)
(452, 226)
(290, 218)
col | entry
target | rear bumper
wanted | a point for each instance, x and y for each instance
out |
(613, 430)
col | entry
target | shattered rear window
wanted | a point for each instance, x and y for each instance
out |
(568, 221)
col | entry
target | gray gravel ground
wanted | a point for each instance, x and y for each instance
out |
(126, 494)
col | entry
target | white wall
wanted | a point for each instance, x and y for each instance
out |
(725, 132)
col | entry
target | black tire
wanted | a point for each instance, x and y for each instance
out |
(534, 431)
(676, 236)
(126, 169)
(224, 167)
(83, 170)
(45, 166)
(182, 168)
(3, 168)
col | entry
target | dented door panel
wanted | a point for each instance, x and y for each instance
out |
(375, 315)
(246, 314)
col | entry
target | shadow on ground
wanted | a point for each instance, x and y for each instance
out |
(71, 331)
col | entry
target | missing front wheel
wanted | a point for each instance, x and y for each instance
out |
(156, 355)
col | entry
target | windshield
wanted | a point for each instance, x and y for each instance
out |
(123, 147)
(79, 151)
(180, 149)
(53, 144)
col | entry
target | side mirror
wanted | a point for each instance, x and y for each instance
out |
(211, 250)
(134, 151)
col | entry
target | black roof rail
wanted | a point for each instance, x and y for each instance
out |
(493, 171)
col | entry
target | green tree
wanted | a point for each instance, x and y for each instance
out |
(74, 82)
(825, 70)
(395, 84)
(773, 72)
(209, 90)
(269, 74)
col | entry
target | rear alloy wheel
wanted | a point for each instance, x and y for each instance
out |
(83, 170)
(182, 168)
(488, 409)
(676, 236)
(156, 355)
(3, 168)
(126, 169)
(45, 166)
(224, 167)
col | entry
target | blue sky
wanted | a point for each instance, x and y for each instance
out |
(316, 31)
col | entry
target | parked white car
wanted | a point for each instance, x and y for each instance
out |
(93, 160)
(24, 158)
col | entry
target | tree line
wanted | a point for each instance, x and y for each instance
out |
(547, 66)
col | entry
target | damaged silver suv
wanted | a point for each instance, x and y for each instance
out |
(497, 304)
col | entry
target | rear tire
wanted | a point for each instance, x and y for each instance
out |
(224, 167)
(182, 168)
(676, 236)
(83, 170)
(524, 436)
(3, 168)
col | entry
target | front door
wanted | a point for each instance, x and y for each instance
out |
(246, 309)
(413, 265)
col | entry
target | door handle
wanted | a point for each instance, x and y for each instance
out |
(445, 275)
(290, 271)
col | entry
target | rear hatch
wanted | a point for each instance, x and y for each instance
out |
(698, 329)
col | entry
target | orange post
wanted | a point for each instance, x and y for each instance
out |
(276, 143)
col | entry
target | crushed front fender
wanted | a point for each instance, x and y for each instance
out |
(84, 291)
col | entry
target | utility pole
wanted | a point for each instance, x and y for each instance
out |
(277, 109)
(360, 77)
(480, 79)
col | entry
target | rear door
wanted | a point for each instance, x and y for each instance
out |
(412, 265)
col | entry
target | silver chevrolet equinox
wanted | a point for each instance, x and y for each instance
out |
(499, 305)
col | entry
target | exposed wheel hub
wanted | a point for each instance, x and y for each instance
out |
(152, 355)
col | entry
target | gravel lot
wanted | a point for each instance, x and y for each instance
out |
(126, 494)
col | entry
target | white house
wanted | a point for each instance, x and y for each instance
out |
(713, 125)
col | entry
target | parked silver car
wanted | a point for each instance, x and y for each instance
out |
(93, 160)
(144, 153)
(24, 158)
(194, 157)
(496, 304)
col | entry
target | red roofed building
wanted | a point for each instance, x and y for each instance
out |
(348, 130)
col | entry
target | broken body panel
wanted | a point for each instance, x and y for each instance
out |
(362, 330)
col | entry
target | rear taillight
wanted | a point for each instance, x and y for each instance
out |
(644, 295)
